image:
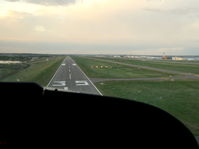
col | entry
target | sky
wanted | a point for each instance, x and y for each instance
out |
(146, 27)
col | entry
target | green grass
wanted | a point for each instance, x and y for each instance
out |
(4, 72)
(40, 71)
(180, 98)
(10, 69)
(169, 65)
(113, 70)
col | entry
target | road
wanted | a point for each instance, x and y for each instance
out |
(70, 78)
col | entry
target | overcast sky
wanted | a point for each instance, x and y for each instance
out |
(100, 26)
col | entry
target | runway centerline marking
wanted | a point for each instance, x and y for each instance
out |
(70, 76)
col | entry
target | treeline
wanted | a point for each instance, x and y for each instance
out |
(14, 66)
(15, 58)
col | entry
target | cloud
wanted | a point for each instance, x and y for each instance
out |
(12, 0)
(182, 11)
(47, 2)
(174, 7)
(40, 28)
(68, 48)
(119, 25)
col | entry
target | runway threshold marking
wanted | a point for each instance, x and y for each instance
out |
(81, 83)
(59, 83)
(66, 88)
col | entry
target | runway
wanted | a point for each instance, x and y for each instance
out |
(70, 78)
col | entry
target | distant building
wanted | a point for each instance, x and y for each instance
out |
(117, 56)
(128, 56)
(166, 57)
(178, 58)
(131, 56)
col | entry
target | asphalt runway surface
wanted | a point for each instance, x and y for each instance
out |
(70, 78)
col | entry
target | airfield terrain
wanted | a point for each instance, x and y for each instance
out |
(169, 85)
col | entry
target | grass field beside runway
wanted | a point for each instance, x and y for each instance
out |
(39, 71)
(98, 69)
(180, 98)
(10, 69)
(169, 65)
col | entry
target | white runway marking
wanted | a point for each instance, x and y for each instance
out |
(59, 83)
(55, 74)
(66, 88)
(90, 81)
(65, 72)
(70, 76)
(81, 83)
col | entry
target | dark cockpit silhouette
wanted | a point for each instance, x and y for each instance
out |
(31, 115)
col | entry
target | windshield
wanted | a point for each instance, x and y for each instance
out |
(143, 50)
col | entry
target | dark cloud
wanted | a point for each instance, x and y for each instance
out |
(47, 2)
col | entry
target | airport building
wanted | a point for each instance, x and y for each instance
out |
(178, 58)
